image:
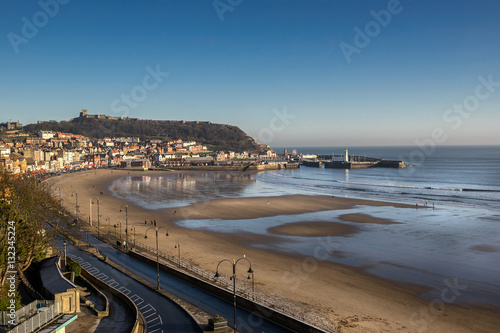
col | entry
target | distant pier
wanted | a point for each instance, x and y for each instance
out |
(347, 161)
(314, 164)
(381, 163)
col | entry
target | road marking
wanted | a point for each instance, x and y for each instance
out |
(76, 258)
(85, 265)
(151, 326)
(113, 283)
(124, 290)
(146, 317)
(143, 312)
(157, 318)
(93, 270)
(137, 299)
(156, 330)
(145, 306)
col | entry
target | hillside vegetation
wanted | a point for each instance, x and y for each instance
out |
(219, 136)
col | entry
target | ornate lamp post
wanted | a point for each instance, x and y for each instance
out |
(156, 229)
(234, 263)
(178, 246)
(98, 219)
(126, 226)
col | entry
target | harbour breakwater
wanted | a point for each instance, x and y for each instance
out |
(353, 162)
(363, 165)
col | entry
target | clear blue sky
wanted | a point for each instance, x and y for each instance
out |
(262, 56)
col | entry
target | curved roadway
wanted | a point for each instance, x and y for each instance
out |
(160, 313)
(247, 322)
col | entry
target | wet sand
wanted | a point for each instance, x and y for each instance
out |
(313, 229)
(364, 218)
(348, 297)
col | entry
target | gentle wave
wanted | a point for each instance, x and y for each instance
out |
(421, 187)
(404, 193)
(478, 190)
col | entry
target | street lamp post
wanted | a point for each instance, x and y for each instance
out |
(109, 224)
(178, 246)
(90, 215)
(156, 229)
(120, 224)
(126, 227)
(65, 262)
(98, 219)
(133, 228)
(60, 197)
(76, 204)
(234, 263)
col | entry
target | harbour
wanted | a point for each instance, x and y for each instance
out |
(346, 161)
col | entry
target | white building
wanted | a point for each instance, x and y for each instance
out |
(162, 157)
(46, 134)
(4, 151)
(268, 156)
(187, 144)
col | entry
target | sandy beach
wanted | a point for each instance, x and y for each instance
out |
(349, 298)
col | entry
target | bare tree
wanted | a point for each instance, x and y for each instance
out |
(26, 207)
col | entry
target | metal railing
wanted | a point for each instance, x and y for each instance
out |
(243, 288)
(23, 313)
(43, 315)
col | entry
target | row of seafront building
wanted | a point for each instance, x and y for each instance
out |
(55, 152)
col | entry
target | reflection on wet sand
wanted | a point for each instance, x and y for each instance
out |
(180, 189)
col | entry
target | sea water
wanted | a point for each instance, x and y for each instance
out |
(455, 242)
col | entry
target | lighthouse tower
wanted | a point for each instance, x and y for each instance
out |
(346, 155)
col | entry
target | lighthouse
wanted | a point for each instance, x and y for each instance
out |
(346, 155)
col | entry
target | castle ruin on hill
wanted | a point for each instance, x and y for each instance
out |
(84, 114)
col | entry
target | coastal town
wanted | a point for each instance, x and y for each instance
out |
(54, 152)
(249, 166)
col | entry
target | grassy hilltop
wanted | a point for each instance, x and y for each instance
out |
(219, 136)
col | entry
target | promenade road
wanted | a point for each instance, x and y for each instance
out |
(246, 322)
(161, 314)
